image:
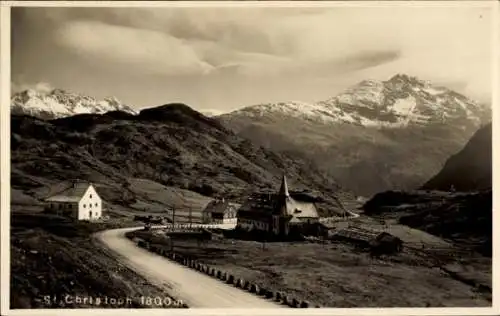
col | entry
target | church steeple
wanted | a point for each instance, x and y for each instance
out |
(284, 187)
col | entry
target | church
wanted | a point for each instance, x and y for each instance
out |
(278, 214)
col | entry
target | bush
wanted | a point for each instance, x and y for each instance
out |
(304, 304)
(230, 279)
(254, 288)
(278, 297)
(246, 285)
(287, 300)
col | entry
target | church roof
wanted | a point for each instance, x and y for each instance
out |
(300, 209)
(284, 187)
(297, 205)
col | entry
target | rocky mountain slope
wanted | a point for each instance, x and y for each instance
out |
(376, 136)
(59, 103)
(172, 145)
(470, 169)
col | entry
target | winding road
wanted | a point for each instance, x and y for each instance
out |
(193, 288)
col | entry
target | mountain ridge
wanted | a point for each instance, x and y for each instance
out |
(470, 168)
(396, 102)
(59, 103)
(369, 158)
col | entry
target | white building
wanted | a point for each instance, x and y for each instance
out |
(219, 212)
(79, 201)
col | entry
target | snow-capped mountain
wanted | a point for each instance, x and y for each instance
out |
(375, 136)
(60, 103)
(397, 102)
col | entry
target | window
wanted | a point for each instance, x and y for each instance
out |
(90, 205)
(84, 205)
(91, 196)
(96, 205)
(69, 206)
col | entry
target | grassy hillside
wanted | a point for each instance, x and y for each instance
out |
(339, 275)
(170, 146)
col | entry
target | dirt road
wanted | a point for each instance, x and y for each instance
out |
(193, 288)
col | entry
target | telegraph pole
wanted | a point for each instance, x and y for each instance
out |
(173, 216)
(173, 227)
(190, 217)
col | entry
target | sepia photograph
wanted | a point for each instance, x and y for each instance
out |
(250, 156)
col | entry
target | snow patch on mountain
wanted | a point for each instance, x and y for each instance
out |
(397, 102)
(58, 103)
(368, 91)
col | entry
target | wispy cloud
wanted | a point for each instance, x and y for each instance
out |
(44, 87)
(217, 47)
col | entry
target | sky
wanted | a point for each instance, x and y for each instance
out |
(221, 59)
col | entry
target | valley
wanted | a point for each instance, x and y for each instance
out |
(172, 157)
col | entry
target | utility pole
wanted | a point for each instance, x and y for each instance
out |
(173, 216)
(190, 217)
(173, 227)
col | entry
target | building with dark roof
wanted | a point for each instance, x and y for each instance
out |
(377, 241)
(77, 200)
(279, 213)
(219, 211)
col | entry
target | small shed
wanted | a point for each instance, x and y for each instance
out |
(386, 243)
(360, 237)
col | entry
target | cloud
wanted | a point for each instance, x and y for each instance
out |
(143, 50)
(43, 87)
(250, 49)
(190, 41)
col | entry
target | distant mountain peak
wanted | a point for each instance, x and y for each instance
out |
(396, 102)
(406, 78)
(58, 103)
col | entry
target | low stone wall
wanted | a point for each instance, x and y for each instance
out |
(277, 296)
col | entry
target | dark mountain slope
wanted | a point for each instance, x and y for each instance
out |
(469, 169)
(465, 218)
(365, 160)
(172, 145)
